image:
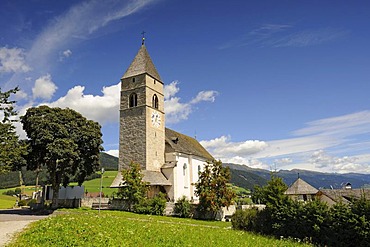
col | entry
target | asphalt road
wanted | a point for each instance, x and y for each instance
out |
(15, 220)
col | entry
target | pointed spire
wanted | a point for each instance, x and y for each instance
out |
(141, 64)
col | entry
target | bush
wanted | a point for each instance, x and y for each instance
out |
(183, 208)
(245, 219)
(154, 206)
(9, 193)
(22, 203)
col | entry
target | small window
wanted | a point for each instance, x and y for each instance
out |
(184, 168)
(155, 101)
(133, 79)
(133, 100)
(155, 81)
(199, 169)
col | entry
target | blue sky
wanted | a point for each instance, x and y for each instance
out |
(268, 84)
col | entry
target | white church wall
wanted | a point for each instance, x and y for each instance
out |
(196, 164)
(184, 179)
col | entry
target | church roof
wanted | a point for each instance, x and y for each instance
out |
(301, 187)
(141, 64)
(155, 178)
(177, 142)
(152, 177)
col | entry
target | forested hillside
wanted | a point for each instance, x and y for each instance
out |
(12, 179)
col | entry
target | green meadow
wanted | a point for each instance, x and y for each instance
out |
(116, 228)
(90, 186)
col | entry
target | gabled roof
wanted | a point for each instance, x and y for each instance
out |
(142, 64)
(177, 142)
(346, 195)
(301, 187)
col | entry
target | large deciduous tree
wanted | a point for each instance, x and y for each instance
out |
(63, 141)
(212, 188)
(11, 149)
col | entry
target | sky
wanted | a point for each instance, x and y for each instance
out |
(267, 84)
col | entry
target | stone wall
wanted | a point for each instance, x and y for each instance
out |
(87, 202)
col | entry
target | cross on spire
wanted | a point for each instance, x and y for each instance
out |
(143, 39)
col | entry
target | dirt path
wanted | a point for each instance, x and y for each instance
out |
(13, 221)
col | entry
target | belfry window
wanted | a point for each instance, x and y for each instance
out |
(155, 101)
(133, 100)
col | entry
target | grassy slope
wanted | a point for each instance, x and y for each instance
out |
(6, 201)
(90, 186)
(9, 201)
(114, 228)
(94, 184)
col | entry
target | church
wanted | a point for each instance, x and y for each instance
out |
(170, 161)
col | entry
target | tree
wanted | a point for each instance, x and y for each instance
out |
(12, 150)
(212, 188)
(134, 189)
(272, 193)
(63, 141)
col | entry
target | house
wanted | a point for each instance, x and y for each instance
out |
(170, 161)
(346, 196)
(300, 190)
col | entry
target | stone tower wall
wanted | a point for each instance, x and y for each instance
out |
(140, 141)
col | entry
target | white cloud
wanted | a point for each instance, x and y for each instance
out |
(113, 152)
(79, 23)
(65, 54)
(222, 148)
(171, 90)
(310, 147)
(346, 125)
(177, 111)
(13, 60)
(280, 35)
(103, 109)
(44, 87)
(323, 160)
(204, 96)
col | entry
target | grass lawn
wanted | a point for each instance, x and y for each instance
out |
(116, 228)
(9, 201)
(6, 201)
(94, 184)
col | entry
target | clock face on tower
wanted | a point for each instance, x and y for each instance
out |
(156, 119)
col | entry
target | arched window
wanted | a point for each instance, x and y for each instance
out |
(133, 100)
(155, 101)
(184, 168)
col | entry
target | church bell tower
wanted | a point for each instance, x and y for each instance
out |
(142, 118)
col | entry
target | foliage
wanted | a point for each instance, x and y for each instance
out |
(314, 221)
(212, 188)
(11, 179)
(63, 141)
(154, 206)
(113, 228)
(12, 150)
(245, 219)
(134, 189)
(183, 208)
(272, 193)
(12, 192)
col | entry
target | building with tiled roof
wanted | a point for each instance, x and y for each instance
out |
(301, 190)
(170, 161)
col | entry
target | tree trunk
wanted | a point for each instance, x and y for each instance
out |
(55, 186)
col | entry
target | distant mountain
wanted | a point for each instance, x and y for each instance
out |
(316, 179)
(109, 162)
